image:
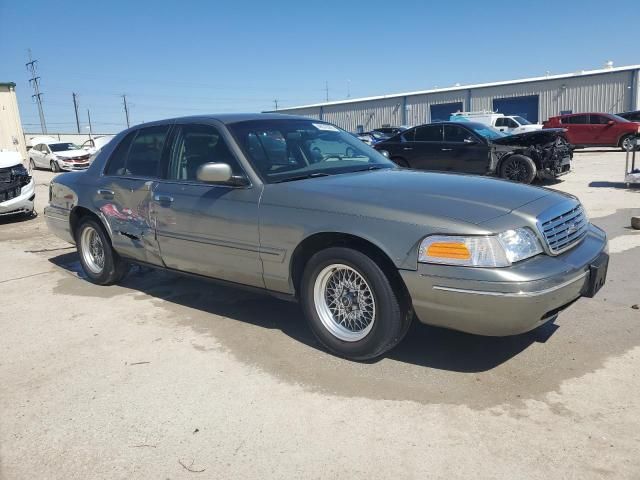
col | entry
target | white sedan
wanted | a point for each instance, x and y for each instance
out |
(96, 143)
(59, 156)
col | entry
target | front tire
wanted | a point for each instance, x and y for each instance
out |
(626, 143)
(100, 262)
(54, 166)
(351, 305)
(518, 168)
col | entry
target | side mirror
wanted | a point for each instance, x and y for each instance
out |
(214, 173)
(470, 141)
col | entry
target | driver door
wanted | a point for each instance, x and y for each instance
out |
(203, 228)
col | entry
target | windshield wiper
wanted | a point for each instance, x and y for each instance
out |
(303, 177)
(371, 167)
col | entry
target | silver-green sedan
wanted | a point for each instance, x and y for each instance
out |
(303, 210)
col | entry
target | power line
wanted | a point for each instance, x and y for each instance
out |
(75, 108)
(35, 82)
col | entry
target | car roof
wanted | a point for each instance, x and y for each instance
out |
(468, 124)
(229, 118)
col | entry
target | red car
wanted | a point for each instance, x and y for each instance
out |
(596, 129)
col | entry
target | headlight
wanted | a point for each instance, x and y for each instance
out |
(480, 251)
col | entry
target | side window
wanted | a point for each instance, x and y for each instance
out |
(119, 156)
(429, 133)
(576, 120)
(511, 123)
(409, 135)
(500, 122)
(38, 148)
(195, 145)
(146, 150)
(598, 120)
(454, 133)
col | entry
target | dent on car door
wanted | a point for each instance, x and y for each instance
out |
(124, 193)
(202, 228)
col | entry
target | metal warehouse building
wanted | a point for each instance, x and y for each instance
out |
(610, 90)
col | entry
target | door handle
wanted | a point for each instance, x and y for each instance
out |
(163, 199)
(105, 193)
(407, 148)
(446, 149)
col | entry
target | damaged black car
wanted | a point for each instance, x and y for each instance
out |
(475, 148)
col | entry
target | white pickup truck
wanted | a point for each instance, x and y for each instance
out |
(509, 124)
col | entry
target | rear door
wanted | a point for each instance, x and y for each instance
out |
(204, 228)
(578, 129)
(463, 151)
(124, 192)
(36, 155)
(428, 151)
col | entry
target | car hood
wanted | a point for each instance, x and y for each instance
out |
(71, 153)
(10, 159)
(406, 196)
(544, 136)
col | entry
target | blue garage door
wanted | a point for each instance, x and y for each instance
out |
(442, 112)
(526, 107)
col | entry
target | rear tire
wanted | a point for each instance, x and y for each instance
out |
(32, 164)
(54, 166)
(351, 306)
(626, 143)
(518, 168)
(100, 262)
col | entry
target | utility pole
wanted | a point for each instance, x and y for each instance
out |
(275, 102)
(326, 89)
(89, 117)
(35, 82)
(75, 108)
(126, 108)
(348, 88)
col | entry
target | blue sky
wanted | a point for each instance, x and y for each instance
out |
(190, 57)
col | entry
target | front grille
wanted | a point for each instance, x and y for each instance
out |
(9, 194)
(563, 231)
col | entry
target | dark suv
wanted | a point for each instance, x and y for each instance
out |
(471, 147)
(596, 129)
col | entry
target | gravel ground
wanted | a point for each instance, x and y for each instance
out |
(169, 377)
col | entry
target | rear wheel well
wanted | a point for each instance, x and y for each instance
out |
(321, 241)
(76, 216)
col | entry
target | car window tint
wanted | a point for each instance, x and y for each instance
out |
(145, 152)
(500, 122)
(511, 123)
(598, 120)
(455, 133)
(195, 145)
(576, 119)
(409, 135)
(429, 133)
(116, 165)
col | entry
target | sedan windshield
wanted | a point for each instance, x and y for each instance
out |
(522, 121)
(63, 147)
(485, 131)
(286, 150)
(618, 118)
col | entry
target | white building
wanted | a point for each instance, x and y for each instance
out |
(610, 90)
(11, 136)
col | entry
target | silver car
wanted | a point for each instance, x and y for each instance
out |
(303, 210)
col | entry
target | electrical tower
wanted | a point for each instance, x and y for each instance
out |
(126, 108)
(34, 81)
(326, 89)
(275, 102)
(75, 108)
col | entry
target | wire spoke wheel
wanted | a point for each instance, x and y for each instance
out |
(92, 250)
(344, 302)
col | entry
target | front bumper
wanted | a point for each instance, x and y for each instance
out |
(73, 167)
(23, 203)
(504, 301)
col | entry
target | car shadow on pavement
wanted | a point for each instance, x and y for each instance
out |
(424, 345)
(623, 185)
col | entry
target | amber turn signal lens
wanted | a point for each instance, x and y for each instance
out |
(455, 250)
